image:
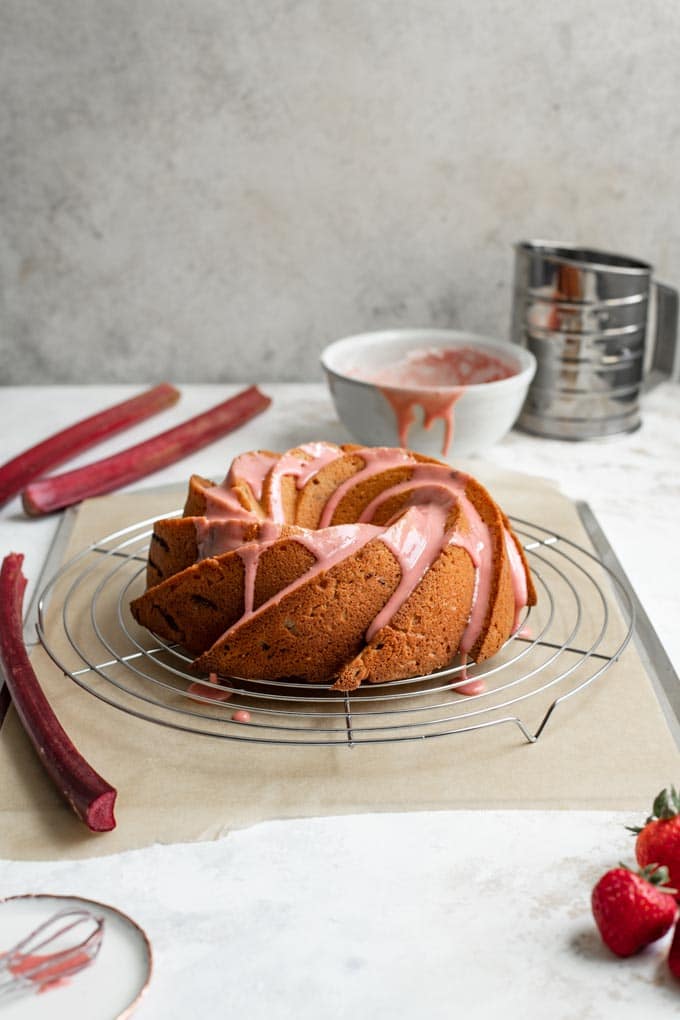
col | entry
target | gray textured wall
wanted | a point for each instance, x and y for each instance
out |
(213, 189)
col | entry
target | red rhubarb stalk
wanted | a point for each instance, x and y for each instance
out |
(102, 476)
(32, 463)
(89, 795)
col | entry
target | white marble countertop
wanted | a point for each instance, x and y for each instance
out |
(301, 918)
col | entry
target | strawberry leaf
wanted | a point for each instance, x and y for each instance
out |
(656, 874)
(666, 804)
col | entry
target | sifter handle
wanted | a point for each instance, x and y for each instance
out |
(665, 335)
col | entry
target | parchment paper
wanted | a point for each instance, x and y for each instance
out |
(608, 747)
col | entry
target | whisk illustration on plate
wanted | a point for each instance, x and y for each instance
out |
(62, 946)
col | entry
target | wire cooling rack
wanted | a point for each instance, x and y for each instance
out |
(584, 620)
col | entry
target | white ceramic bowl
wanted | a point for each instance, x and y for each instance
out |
(483, 412)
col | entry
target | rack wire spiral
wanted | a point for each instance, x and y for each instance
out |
(584, 620)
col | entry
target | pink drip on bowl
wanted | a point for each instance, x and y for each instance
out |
(441, 392)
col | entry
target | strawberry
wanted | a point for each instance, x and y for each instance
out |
(658, 840)
(632, 909)
(674, 954)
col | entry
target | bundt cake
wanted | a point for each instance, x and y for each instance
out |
(337, 564)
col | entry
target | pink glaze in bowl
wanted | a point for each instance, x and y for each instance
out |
(444, 393)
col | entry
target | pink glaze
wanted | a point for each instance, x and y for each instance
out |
(428, 483)
(431, 484)
(300, 468)
(241, 715)
(438, 367)
(221, 503)
(213, 538)
(415, 539)
(416, 536)
(51, 968)
(252, 468)
(521, 595)
(435, 404)
(330, 546)
(249, 468)
(479, 548)
(476, 541)
(217, 536)
(200, 689)
(471, 688)
(250, 557)
(519, 578)
(376, 459)
(435, 379)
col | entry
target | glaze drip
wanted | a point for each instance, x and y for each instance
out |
(415, 540)
(328, 547)
(302, 468)
(376, 459)
(215, 536)
(434, 404)
(434, 379)
(519, 578)
(436, 484)
(249, 470)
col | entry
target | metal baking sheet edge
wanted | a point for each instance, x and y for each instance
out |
(664, 679)
(654, 657)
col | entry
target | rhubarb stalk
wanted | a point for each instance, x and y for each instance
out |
(129, 465)
(89, 795)
(32, 463)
